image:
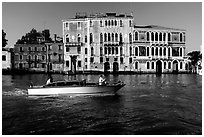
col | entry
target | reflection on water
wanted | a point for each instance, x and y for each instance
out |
(148, 104)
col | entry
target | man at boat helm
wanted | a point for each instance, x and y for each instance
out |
(102, 80)
(50, 80)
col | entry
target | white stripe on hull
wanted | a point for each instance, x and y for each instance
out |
(73, 90)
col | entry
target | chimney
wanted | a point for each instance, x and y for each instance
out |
(55, 38)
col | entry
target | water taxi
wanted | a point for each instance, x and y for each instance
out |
(74, 87)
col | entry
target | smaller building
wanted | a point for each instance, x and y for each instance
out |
(55, 57)
(30, 57)
(6, 59)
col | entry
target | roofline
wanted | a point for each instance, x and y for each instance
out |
(157, 27)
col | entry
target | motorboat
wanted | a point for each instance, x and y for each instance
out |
(74, 87)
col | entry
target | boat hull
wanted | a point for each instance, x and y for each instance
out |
(75, 90)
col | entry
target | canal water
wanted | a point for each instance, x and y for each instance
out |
(148, 105)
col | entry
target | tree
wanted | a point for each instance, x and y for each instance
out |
(4, 40)
(33, 37)
(195, 56)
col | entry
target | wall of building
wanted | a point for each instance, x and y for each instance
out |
(6, 60)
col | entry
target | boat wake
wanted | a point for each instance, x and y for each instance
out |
(15, 92)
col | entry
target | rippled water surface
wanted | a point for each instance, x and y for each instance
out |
(148, 104)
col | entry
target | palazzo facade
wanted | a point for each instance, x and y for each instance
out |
(113, 43)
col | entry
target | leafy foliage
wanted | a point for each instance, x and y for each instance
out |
(34, 37)
(195, 56)
(4, 40)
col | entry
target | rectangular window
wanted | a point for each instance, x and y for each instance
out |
(60, 57)
(147, 65)
(121, 60)
(130, 60)
(85, 50)
(21, 57)
(43, 65)
(142, 51)
(43, 57)
(101, 59)
(21, 49)
(115, 59)
(78, 25)
(79, 63)
(67, 63)
(67, 48)
(107, 59)
(85, 38)
(79, 50)
(67, 25)
(4, 57)
(92, 59)
(29, 49)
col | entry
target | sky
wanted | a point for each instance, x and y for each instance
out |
(18, 18)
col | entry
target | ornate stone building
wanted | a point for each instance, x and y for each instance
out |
(113, 43)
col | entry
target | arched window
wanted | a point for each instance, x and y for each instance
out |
(152, 36)
(101, 37)
(121, 23)
(136, 65)
(115, 23)
(92, 51)
(130, 38)
(112, 23)
(181, 51)
(136, 51)
(136, 36)
(105, 37)
(36, 57)
(109, 50)
(109, 23)
(147, 51)
(106, 23)
(152, 51)
(112, 36)
(147, 65)
(160, 51)
(169, 65)
(116, 50)
(130, 51)
(78, 38)
(181, 37)
(106, 50)
(101, 23)
(101, 51)
(164, 37)
(113, 49)
(156, 36)
(164, 65)
(160, 36)
(130, 60)
(116, 37)
(121, 37)
(169, 36)
(152, 65)
(164, 51)
(109, 37)
(181, 65)
(121, 51)
(169, 51)
(67, 38)
(147, 36)
(29, 57)
(91, 38)
(156, 52)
